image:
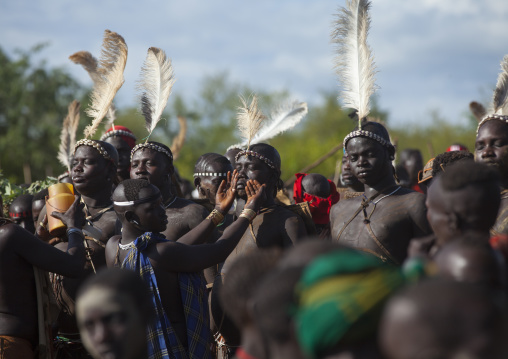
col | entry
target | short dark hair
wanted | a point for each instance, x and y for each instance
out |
(123, 281)
(205, 160)
(466, 173)
(131, 188)
(445, 159)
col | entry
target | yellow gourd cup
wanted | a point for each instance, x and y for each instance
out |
(61, 197)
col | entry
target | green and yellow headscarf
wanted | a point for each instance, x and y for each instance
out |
(340, 297)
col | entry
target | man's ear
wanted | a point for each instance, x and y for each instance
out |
(131, 217)
(197, 182)
(454, 221)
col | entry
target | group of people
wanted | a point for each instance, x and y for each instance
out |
(370, 267)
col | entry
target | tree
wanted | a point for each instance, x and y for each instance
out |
(33, 103)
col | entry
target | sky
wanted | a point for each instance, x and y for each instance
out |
(431, 55)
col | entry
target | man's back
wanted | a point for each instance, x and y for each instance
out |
(183, 215)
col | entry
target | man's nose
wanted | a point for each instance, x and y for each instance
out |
(488, 152)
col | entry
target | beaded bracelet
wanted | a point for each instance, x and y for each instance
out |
(216, 217)
(75, 230)
(249, 214)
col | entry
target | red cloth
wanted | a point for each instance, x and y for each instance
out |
(500, 243)
(319, 206)
(417, 188)
(457, 148)
(131, 141)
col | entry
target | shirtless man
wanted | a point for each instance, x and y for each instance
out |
(275, 226)
(20, 212)
(20, 251)
(153, 162)
(386, 217)
(93, 174)
(171, 267)
(123, 140)
(491, 148)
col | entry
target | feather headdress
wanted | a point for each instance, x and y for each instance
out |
(179, 140)
(68, 134)
(157, 79)
(500, 101)
(250, 120)
(110, 69)
(354, 62)
(281, 119)
(477, 110)
(90, 64)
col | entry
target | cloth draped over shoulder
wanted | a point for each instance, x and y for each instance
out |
(161, 339)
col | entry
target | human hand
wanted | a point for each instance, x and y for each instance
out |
(226, 193)
(256, 195)
(74, 217)
(41, 230)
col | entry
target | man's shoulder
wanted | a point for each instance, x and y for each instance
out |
(185, 206)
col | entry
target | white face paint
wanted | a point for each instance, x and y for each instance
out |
(110, 325)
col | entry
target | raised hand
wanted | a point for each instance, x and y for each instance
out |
(74, 217)
(256, 195)
(226, 193)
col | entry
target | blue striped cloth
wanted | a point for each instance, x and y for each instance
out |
(162, 340)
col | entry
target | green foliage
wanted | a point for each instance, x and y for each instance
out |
(33, 103)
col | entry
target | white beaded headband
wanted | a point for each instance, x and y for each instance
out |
(94, 144)
(154, 147)
(210, 174)
(491, 117)
(368, 134)
(257, 155)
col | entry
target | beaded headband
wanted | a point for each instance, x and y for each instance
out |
(137, 201)
(24, 214)
(152, 147)
(94, 144)
(368, 134)
(117, 133)
(257, 155)
(210, 174)
(491, 117)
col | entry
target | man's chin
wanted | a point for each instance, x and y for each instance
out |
(241, 193)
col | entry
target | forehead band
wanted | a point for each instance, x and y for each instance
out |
(117, 133)
(368, 134)
(94, 144)
(154, 147)
(491, 117)
(210, 174)
(138, 201)
(258, 156)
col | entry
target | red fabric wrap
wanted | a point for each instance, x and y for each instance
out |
(131, 141)
(319, 206)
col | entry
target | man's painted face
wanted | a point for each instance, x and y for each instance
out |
(251, 168)
(368, 159)
(491, 146)
(152, 215)
(90, 170)
(152, 166)
(124, 156)
(110, 325)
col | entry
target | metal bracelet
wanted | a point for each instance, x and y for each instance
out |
(249, 214)
(216, 217)
(75, 230)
